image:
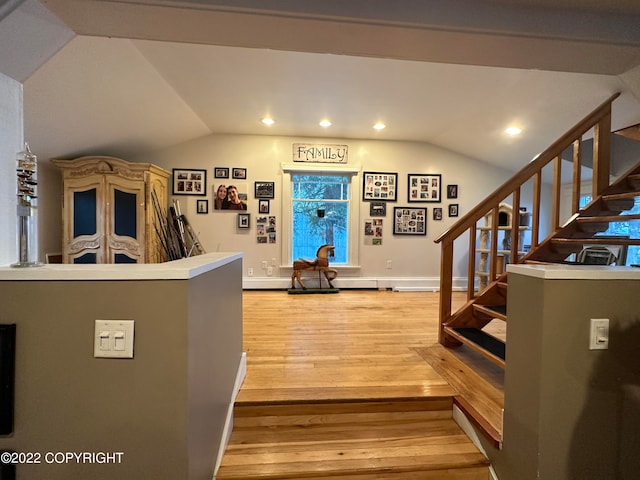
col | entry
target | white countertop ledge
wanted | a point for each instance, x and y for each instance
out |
(575, 272)
(182, 269)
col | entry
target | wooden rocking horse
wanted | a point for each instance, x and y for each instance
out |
(321, 264)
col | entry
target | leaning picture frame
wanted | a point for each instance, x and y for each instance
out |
(424, 187)
(409, 221)
(381, 186)
(189, 181)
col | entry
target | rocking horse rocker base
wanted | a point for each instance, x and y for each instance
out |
(321, 265)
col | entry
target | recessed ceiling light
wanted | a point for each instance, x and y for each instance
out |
(379, 126)
(268, 121)
(513, 131)
(325, 123)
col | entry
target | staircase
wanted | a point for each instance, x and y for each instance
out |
(467, 325)
(402, 439)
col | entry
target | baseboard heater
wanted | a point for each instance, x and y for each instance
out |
(7, 377)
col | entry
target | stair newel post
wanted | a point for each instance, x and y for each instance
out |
(493, 265)
(602, 153)
(471, 270)
(446, 287)
(577, 171)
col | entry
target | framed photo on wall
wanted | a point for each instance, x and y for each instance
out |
(263, 206)
(221, 172)
(382, 186)
(189, 181)
(243, 220)
(202, 206)
(264, 189)
(453, 210)
(425, 188)
(437, 213)
(409, 221)
(239, 173)
(377, 209)
(452, 191)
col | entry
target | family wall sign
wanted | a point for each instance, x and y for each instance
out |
(303, 152)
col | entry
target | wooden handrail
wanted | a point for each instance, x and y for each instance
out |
(600, 120)
(536, 165)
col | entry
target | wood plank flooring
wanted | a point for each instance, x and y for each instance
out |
(357, 344)
(340, 386)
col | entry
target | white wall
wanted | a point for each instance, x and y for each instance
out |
(11, 142)
(416, 258)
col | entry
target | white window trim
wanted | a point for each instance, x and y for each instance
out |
(354, 209)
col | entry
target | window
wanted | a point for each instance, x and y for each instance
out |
(319, 208)
(320, 215)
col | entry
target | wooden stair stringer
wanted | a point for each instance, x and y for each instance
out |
(465, 326)
(573, 235)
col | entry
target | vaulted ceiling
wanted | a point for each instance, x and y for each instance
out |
(123, 77)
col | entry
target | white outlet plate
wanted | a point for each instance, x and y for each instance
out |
(113, 339)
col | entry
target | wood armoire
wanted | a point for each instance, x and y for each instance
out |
(108, 213)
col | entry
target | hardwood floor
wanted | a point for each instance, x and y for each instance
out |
(360, 344)
(318, 366)
(357, 344)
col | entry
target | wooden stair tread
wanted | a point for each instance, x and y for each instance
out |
(621, 196)
(400, 440)
(608, 218)
(597, 241)
(494, 311)
(483, 343)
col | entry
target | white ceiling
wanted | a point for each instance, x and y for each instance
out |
(125, 77)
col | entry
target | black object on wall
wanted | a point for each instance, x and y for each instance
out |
(7, 470)
(7, 377)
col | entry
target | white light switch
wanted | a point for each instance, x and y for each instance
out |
(118, 338)
(599, 334)
(113, 339)
(104, 340)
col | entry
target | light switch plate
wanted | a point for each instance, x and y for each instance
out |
(599, 334)
(113, 339)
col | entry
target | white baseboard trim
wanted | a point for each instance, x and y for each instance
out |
(228, 424)
(399, 284)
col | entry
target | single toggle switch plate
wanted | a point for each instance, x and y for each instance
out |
(599, 334)
(113, 339)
